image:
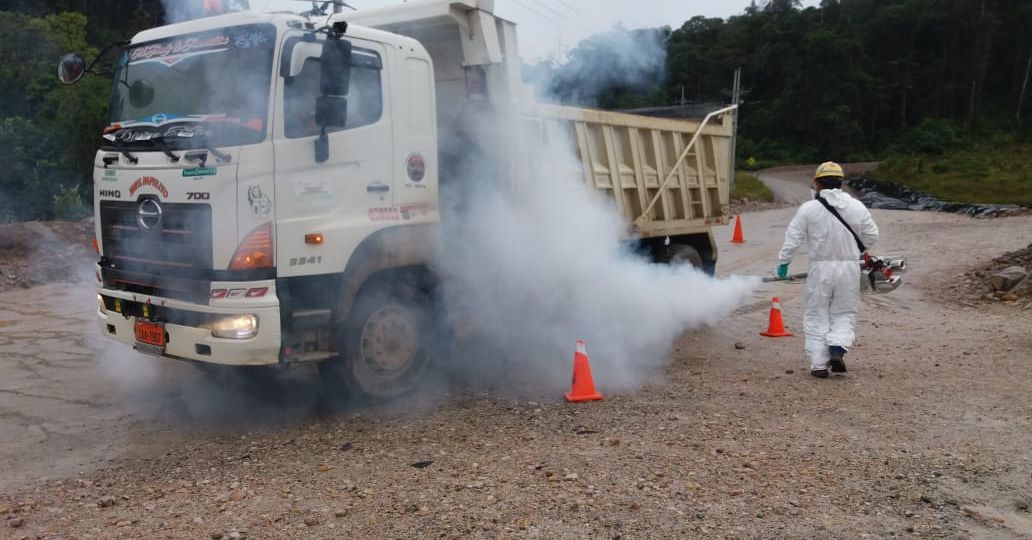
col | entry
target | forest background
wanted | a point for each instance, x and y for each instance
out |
(937, 90)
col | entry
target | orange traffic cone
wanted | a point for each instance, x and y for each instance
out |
(583, 387)
(776, 328)
(737, 237)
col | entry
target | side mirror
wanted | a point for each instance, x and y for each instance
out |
(335, 67)
(331, 111)
(71, 68)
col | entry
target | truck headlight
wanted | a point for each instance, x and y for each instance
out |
(100, 304)
(235, 327)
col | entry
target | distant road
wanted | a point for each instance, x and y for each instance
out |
(792, 184)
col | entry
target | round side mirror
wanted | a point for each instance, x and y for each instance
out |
(71, 68)
(141, 93)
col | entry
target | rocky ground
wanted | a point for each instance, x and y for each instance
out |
(927, 436)
(976, 285)
(35, 253)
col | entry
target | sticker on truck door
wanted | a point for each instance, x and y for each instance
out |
(415, 168)
(261, 204)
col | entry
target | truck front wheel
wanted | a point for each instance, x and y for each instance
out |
(387, 341)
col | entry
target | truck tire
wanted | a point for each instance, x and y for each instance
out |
(387, 342)
(680, 254)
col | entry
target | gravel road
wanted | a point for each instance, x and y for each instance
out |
(927, 436)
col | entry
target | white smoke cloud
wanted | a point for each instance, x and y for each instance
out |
(182, 10)
(528, 271)
(533, 273)
(186, 10)
(617, 59)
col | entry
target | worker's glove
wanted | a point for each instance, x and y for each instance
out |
(782, 271)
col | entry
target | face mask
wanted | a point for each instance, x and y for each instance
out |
(813, 192)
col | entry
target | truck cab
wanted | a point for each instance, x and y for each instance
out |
(223, 235)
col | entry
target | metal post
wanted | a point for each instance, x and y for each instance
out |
(736, 94)
(338, 7)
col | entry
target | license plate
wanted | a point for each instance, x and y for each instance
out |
(150, 333)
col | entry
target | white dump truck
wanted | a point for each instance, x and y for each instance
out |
(267, 192)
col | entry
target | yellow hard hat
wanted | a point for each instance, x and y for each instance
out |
(829, 168)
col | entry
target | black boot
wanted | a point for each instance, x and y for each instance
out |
(819, 373)
(836, 361)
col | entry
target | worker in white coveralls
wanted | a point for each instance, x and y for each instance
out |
(833, 280)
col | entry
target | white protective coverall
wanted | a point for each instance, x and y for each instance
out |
(833, 280)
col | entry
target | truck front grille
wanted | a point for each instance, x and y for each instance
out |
(178, 246)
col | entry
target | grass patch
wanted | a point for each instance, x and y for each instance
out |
(984, 174)
(749, 187)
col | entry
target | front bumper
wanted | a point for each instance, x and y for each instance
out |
(187, 336)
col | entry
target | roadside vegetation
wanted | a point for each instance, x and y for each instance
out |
(981, 174)
(748, 187)
(49, 133)
(981, 166)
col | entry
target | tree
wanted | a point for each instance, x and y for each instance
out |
(48, 132)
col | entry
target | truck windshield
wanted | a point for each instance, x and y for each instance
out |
(194, 89)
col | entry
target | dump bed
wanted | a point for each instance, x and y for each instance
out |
(630, 157)
(660, 185)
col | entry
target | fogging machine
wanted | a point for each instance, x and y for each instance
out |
(877, 274)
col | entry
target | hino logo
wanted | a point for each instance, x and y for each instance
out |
(148, 215)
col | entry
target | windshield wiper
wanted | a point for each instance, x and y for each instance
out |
(201, 157)
(219, 156)
(202, 140)
(171, 155)
(160, 143)
(163, 147)
(133, 160)
(119, 147)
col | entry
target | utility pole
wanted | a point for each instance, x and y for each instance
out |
(736, 94)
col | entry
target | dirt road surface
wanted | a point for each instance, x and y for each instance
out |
(792, 183)
(927, 436)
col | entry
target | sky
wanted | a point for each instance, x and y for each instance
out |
(548, 27)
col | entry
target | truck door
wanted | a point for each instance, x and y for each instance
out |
(338, 196)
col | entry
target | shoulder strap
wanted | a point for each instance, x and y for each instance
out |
(835, 213)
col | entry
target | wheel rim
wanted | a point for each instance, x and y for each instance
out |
(687, 255)
(388, 345)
